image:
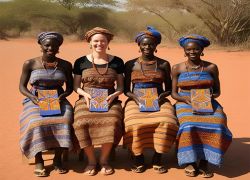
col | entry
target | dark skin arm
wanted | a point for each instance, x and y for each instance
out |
(67, 67)
(165, 66)
(24, 79)
(127, 81)
(213, 70)
(176, 70)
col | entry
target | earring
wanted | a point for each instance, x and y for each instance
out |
(155, 50)
(202, 54)
(108, 48)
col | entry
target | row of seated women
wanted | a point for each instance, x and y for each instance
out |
(200, 139)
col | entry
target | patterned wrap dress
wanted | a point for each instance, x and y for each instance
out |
(153, 130)
(200, 136)
(40, 133)
(97, 128)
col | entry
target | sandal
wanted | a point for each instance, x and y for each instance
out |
(138, 164)
(59, 168)
(41, 173)
(138, 169)
(206, 173)
(190, 170)
(106, 169)
(159, 169)
(204, 170)
(157, 164)
(90, 170)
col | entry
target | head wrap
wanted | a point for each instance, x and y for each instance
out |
(50, 35)
(98, 30)
(150, 32)
(201, 40)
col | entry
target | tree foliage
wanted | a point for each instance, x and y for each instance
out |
(227, 20)
(19, 16)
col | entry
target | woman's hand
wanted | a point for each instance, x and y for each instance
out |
(163, 96)
(87, 98)
(136, 99)
(186, 100)
(110, 98)
(34, 99)
(133, 96)
(62, 96)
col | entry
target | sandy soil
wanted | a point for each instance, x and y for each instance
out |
(235, 85)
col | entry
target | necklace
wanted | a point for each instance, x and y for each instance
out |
(49, 65)
(202, 68)
(195, 67)
(147, 63)
(94, 65)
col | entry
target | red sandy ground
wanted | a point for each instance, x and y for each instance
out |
(235, 85)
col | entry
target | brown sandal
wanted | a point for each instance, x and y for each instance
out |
(190, 170)
(138, 169)
(106, 169)
(204, 170)
(41, 173)
(206, 173)
(90, 170)
(159, 169)
(58, 167)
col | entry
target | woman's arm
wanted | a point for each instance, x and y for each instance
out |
(24, 79)
(67, 66)
(216, 87)
(127, 81)
(119, 89)
(167, 81)
(79, 90)
(174, 94)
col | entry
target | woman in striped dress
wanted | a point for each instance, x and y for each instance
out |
(202, 138)
(39, 133)
(155, 130)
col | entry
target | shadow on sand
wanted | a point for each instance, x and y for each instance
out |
(236, 162)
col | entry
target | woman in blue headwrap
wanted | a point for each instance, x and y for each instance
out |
(203, 135)
(41, 132)
(155, 127)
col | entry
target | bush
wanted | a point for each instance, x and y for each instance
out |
(12, 27)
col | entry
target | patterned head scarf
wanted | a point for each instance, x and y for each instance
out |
(150, 32)
(98, 30)
(50, 35)
(201, 40)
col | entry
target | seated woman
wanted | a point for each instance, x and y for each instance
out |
(39, 132)
(202, 137)
(100, 71)
(155, 130)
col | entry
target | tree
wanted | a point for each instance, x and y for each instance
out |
(227, 20)
(159, 8)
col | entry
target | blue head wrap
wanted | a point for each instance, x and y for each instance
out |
(201, 40)
(50, 35)
(150, 32)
